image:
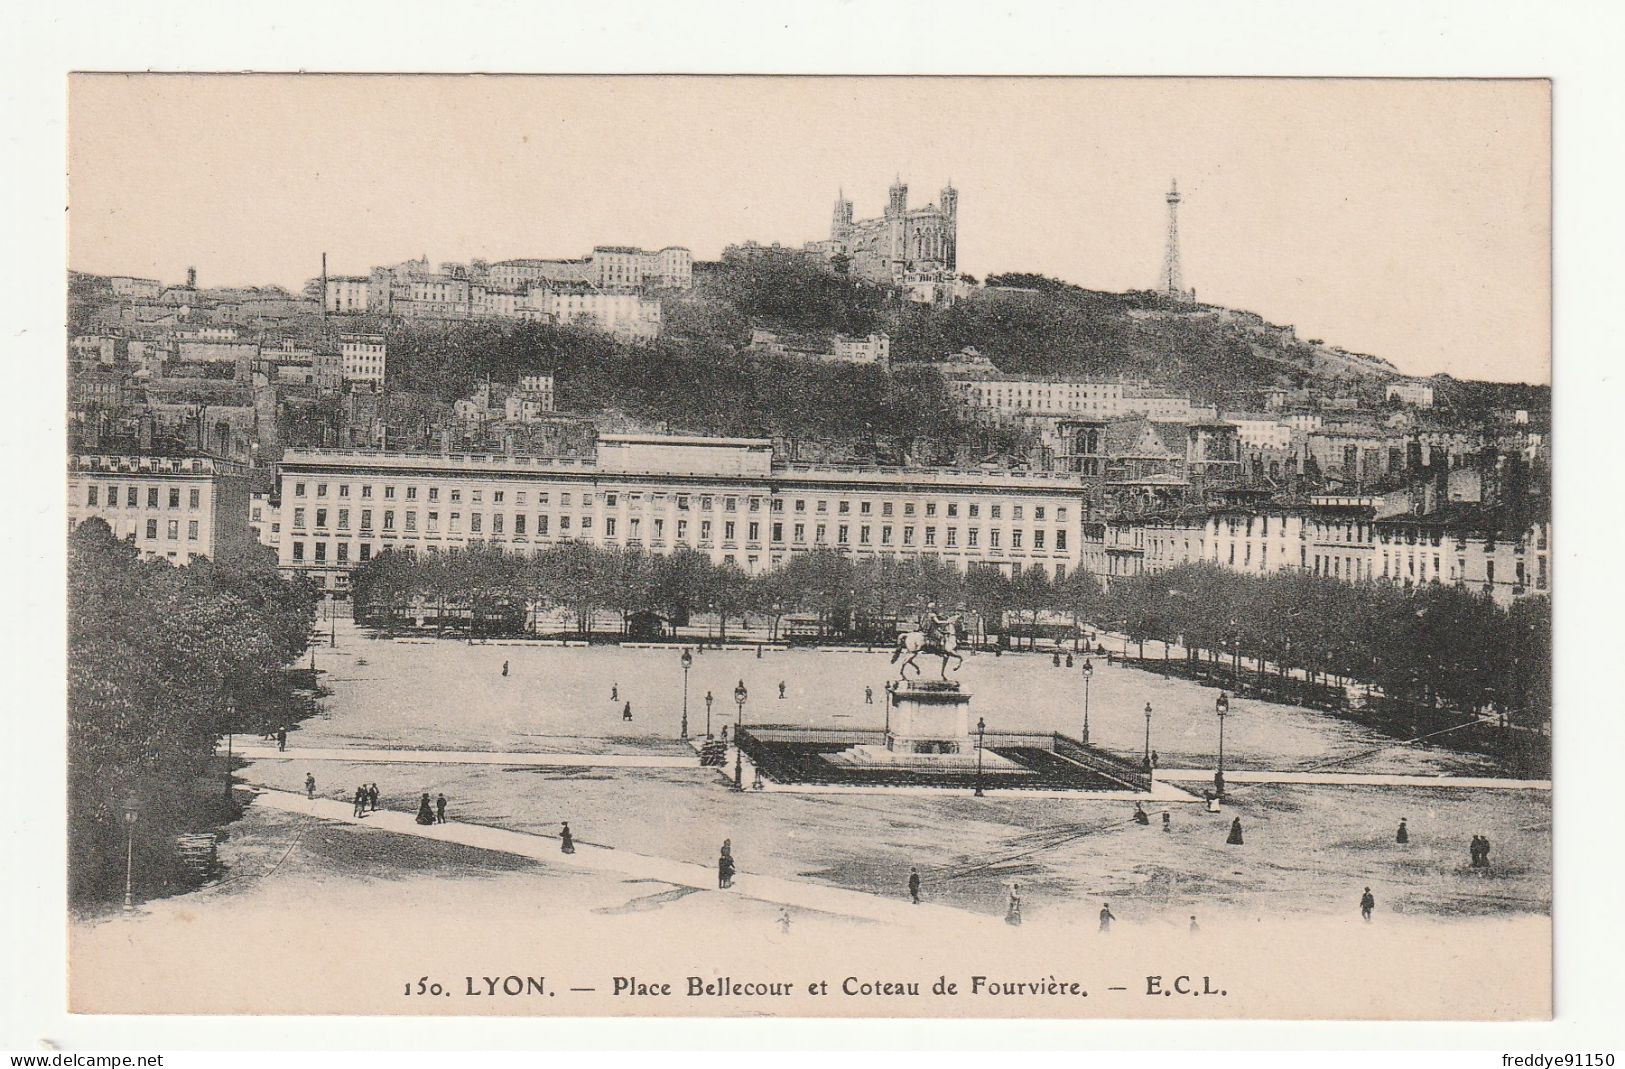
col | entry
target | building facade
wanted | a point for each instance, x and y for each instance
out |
(364, 357)
(727, 498)
(171, 506)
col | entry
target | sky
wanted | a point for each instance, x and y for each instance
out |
(1407, 219)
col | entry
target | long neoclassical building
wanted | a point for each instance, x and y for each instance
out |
(728, 498)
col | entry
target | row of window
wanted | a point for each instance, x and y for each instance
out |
(132, 496)
(172, 529)
(657, 529)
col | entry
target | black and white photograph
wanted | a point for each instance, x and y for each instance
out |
(842, 547)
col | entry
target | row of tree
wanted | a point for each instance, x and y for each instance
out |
(1437, 645)
(1433, 644)
(162, 661)
(844, 594)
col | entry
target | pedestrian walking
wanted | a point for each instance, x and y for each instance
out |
(360, 801)
(1194, 926)
(725, 871)
(1167, 822)
(1055, 659)
(1155, 760)
(868, 695)
(1367, 904)
(758, 653)
(1012, 908)
(425, 814)
(614, 692)
(282, 739)
(1069, 660)
(504, 667)
(372, 797)
(1235, 833)
(567, 842)
(1483, 852)
(781, 690)
(626, 711)
(310, 785)
(914, 885)
(1106, 917)
(1402, 835)
(440, 809)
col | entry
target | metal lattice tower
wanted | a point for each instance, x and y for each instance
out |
(1172, 281)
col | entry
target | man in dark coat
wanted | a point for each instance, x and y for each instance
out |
(1106, 917)
(914, 885)
(372, 797)
(360, 801)
(440, 808)
(1235, 833)
(282, 739)
(1402, 835)
(1367, 904)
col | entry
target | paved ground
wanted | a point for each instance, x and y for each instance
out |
(1359, 779)
(465, 757)
(794, 893)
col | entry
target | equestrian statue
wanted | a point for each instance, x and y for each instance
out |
(934, 634)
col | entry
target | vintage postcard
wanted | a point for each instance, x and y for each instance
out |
(817, 547)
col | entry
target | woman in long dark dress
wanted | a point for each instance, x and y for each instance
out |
(1235, 833)
(567, 842)
(725, 870)
(425, 811)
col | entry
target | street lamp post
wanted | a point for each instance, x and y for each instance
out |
(981, 733)
(333, 622)
(687, 659)
(1222, 707)
(130, 813)
(740, 694)
(231, 719)
(1147, 758)
(1088, 674)
(708, 714)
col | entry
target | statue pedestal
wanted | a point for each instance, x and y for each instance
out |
(929, 717)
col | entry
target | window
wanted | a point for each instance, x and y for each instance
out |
(841, 534)
(863, 535)
(321, 517)
(541, 526)
(995, 510)
(1060, 513)
(191, 530)
(1060, 541)
(172, 530)
(474, 521)
(564, 523)
(344, 549)
(321, 491)
(496, 523)
(344, 489)
(1015, 539)
(993, 538)
(1038, 538)
(908, 508)
(930, 508)
(863, 508)
(971, 534)
(131, 494)
(298, 551)
(434, 523)
(366, 492)
(366, 520)
(728, 530)
(609, 525)
(152, 528)
(885, 508)
(1015, 512)
(321, 552)
(90, 496)
(519, 526)
(885, 534)
(801, 505)
(298, 491)
(1038, 512)
(299, 517)
(434, 493)
(344, 519)
(844, 507)
(193, 497)
(801, 532)
(908, 535)
(705, 530)
(174, 497)
(456, 525)
(930, 536)
(366, 547)
(754, 531)
(953, 536)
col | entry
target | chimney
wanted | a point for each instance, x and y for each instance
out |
(191, 278)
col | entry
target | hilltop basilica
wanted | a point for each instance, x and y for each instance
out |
(903, 243)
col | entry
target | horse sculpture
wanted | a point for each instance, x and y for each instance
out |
(941, 641)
